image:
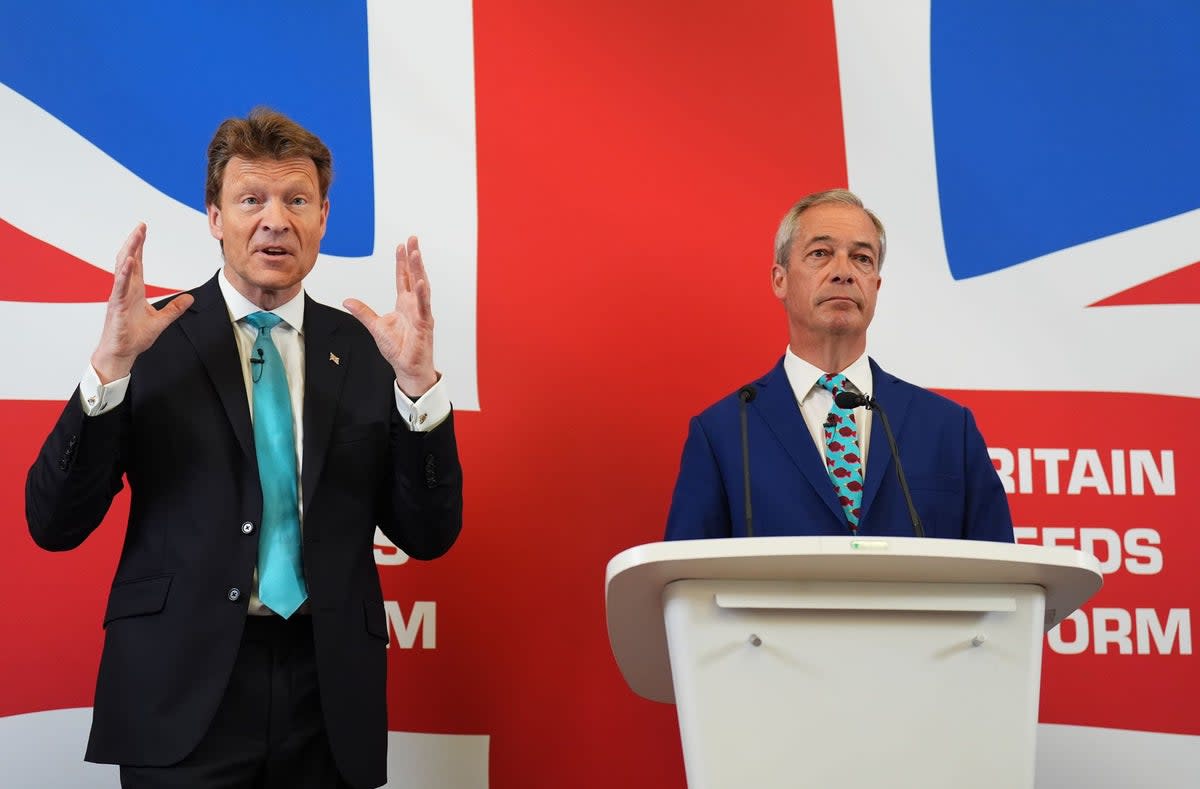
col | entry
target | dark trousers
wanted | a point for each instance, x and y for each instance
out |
(268, 732)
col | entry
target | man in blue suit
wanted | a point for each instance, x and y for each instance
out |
(817, 468)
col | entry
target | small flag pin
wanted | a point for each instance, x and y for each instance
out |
(333, 358)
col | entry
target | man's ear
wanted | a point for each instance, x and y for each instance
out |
(214, 223)
(778, 281)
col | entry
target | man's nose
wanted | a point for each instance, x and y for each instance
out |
(842, 268)
(275, 217)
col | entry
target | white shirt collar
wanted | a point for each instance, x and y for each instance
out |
(239, 306)
(803, 376)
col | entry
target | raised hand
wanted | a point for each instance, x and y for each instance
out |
(131, 325)
(405, 335)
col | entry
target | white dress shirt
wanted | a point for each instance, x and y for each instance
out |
(816, 401)
(429, 411)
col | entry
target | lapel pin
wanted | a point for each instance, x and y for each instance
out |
(333, 358)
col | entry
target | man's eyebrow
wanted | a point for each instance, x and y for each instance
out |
(854, 244)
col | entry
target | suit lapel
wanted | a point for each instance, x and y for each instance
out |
(776, 404)
(895, 400)
(206, 325)
(323, 377)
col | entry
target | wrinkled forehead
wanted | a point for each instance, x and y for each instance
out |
(298, 170)
(837, 223)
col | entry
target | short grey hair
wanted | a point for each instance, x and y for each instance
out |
(787, 227)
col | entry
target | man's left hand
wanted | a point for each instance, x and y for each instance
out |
(405, 335)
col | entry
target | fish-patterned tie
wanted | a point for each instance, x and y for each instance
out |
(843, 459)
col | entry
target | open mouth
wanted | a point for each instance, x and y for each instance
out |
(274, 251)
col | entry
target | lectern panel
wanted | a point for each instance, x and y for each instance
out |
(838, 684)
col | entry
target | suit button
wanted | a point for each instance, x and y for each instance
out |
(247, 528)
(234, 594)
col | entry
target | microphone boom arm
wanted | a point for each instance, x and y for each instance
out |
(918, 529)
(847, 399)
(745, 395)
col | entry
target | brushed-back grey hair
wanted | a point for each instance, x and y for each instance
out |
(787, 227)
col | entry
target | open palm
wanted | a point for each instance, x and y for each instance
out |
(405, 335)
(131, 325)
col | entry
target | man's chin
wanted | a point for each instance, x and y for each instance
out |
(270, 286)
(846, 325)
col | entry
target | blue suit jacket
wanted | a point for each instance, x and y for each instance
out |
(954, 485)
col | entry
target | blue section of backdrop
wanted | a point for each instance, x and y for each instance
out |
(123, 76)
(1059, 123)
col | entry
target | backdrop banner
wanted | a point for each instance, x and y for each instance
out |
(596, 187)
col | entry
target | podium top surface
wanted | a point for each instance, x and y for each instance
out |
(636, 578)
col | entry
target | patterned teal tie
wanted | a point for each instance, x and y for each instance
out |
(280, 575)
(842, 458)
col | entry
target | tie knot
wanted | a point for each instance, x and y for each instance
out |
(263, 320)
(835, 383)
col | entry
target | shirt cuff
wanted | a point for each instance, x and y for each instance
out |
(429, 410)
(98, 398)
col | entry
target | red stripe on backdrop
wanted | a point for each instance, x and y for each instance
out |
(1181, 286)
(634, 160)
(52, 624)
(37, 271)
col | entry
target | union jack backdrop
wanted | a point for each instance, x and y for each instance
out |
(596, 187)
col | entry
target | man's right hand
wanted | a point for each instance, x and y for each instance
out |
(131, 325)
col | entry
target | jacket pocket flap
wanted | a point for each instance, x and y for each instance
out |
(137, 598)
(347, 434)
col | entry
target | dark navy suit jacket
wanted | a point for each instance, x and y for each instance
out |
(183, 440)
(954, 485)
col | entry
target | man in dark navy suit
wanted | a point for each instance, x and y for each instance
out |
(817, 468)
(264, 437)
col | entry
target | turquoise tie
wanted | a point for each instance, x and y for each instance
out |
(280, 574)
(843, 460)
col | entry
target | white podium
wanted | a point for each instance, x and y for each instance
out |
(842, 662)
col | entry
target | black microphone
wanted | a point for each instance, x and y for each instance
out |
(850, 400)
(745, 395)
(257, 371)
